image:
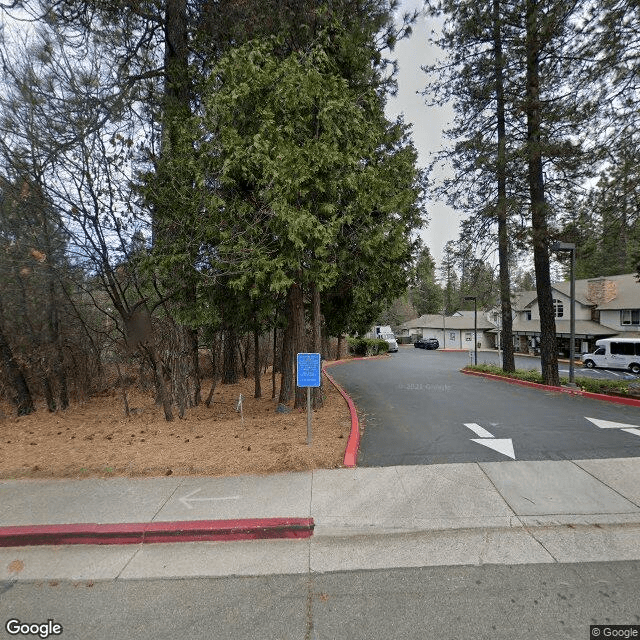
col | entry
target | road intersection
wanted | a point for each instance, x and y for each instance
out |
(417, 408)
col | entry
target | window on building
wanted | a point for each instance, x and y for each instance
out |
(558, 308)
(630, 316)
(527, 314)
(468, 336)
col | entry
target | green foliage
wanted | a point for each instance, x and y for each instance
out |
(605, 223)
(295, 176)
(306, 163)
(425, 293)
(367, 346)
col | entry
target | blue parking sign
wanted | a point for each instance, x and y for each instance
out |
(308, 370)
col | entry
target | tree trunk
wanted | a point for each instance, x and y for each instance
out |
(548, 349)
(230, 369)
(214, 370)
(55, 338)
(316, 333)
(288, 353)
(22, 396)
(123, 390)
(35, 363)
(161, 390)
(256, 363)
(298, 339)
(273, 365)
(508, 361)
(195, 354)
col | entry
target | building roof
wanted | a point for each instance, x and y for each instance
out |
(584, 328)
(627, 293)
(434, 321)
(524, 299)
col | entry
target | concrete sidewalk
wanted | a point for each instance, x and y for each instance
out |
(501, 512)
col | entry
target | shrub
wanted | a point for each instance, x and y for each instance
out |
(367, 346)
(586, 384)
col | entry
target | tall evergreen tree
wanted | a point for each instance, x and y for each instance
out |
(425, 293)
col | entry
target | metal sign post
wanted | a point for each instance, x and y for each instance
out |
(308, 375)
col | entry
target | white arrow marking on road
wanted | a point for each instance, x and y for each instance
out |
(478, 430)
(606, 424)
(636, 432)
(501, 445)
(187, 500)
(504, 445)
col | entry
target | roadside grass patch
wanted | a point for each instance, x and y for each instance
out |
(608, 387)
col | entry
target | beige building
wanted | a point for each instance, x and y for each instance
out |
(605, 307)
(452, 332)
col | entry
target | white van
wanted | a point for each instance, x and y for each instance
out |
(385, 333)
(615, 353)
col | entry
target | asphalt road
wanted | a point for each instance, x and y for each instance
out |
(416, 404)
(515, 602)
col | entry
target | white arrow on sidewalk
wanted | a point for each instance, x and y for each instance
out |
(501, 445)
(607, 424)
(187, 500)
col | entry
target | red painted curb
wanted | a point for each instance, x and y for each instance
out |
(545, 387)
(154, 532)
(353, 443)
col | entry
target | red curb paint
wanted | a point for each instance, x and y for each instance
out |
(632, 402)
(155, 532)
(353, 443)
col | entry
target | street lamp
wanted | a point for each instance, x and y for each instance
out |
(571, 247)
(444, 328)
(475, 327)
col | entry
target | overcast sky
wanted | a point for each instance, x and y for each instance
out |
(427, 122)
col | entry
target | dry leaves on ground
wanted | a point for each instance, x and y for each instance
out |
(97, 439)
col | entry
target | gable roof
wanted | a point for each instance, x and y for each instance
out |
(456, 321)
(583, 328)
(627, 293)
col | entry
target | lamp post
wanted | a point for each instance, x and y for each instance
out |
(444, 328)
(475, 327)
(571, 247)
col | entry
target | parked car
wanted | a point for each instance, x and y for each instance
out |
(426, 343)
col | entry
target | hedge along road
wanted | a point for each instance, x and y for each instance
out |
(417, 408)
